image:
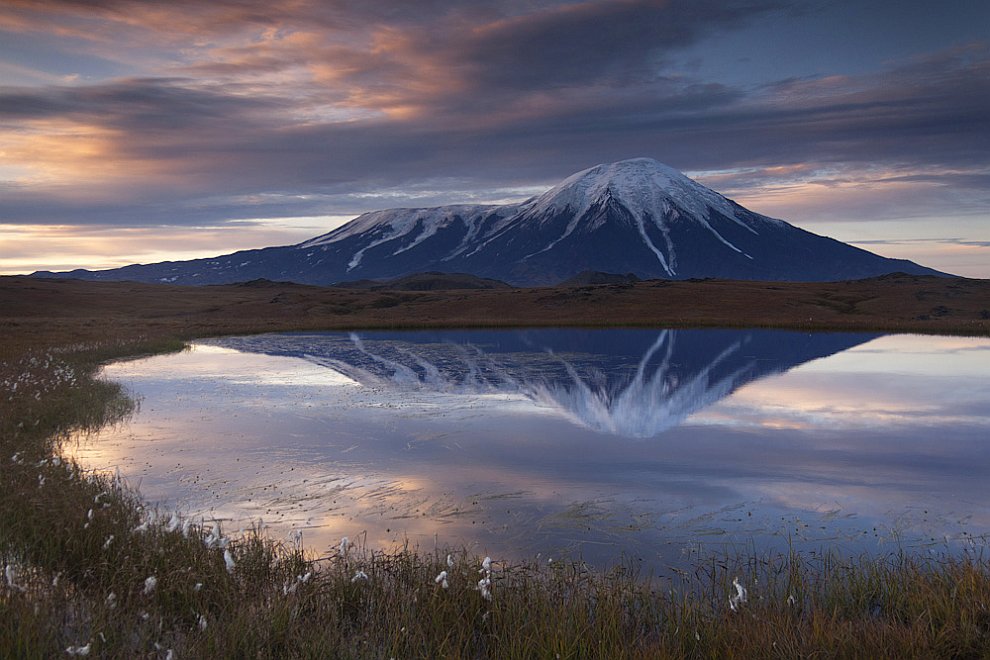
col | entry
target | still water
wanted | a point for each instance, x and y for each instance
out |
(650, 445)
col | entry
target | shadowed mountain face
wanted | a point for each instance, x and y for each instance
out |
(631, 383)
(635, 216)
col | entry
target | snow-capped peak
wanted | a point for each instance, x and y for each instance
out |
(641, 185)
(651, 192)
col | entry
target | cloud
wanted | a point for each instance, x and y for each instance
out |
(916, 241)
(138, 98)
(582, 43)
(250, 109)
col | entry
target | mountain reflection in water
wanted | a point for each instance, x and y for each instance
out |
(513, 442)
(631, 383)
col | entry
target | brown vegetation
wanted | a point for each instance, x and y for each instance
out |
(896, 303)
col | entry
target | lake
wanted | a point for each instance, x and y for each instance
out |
(606, 445)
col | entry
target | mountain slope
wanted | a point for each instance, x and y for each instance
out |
(635, 216)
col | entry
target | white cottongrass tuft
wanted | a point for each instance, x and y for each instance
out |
(450, 561)
(201, 623)
(484, 586)
(173, 523)
(485, 583)
(79, 650)
(8, 573)
(89, 515)
(791, 601)
(112, 600)
(344, 544)
(360, 575)
(106, 544)
(214, 539)
(300, 579)
(143, 527)
(170, 655)
(228, 559)
(442, 579)
(198, 587)
(740, 597)
(149, 584)
(41, 480)
(11, 577)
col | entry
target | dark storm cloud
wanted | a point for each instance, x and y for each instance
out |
(892, 117)
(139, 103)
(581, 44)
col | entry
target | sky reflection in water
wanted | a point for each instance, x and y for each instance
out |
(592, 443)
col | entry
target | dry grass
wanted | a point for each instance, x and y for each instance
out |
(77, 549)
(891, 303)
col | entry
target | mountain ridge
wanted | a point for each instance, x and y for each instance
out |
(635, 216)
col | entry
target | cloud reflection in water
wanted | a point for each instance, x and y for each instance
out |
(514, 442)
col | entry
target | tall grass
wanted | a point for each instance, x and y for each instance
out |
(86, 566)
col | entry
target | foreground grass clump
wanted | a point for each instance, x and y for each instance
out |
(87, 570)
(163, 588)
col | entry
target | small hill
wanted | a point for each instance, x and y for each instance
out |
(431, 281)
(594, 277)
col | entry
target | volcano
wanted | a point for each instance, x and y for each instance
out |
(635, 216)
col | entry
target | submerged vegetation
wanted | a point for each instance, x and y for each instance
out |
(88, 571)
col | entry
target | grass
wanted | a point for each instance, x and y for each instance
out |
(78, 548)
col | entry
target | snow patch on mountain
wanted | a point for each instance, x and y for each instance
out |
(646, 239)
(500, 215)
(642, 185)
(647, 189)
(400, 222)
(397, 223)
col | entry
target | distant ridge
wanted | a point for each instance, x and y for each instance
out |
(594, 277)
(429, 281)
(262, 283)
(634, 216)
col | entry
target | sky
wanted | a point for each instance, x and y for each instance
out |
(134, 131)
